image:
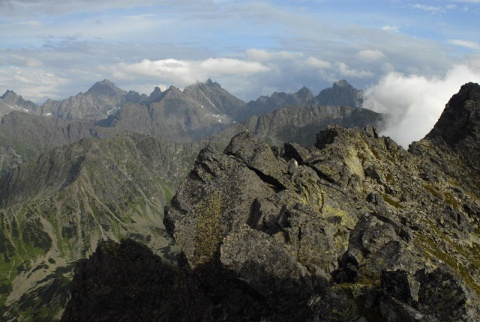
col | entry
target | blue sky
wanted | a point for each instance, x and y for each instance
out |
(57, 48)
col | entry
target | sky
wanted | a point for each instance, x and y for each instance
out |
(410, 57)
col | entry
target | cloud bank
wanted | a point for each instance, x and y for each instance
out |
(414, 103)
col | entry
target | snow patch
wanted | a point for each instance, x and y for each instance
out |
(208, 100)
(113, 110)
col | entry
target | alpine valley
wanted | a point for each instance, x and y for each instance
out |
(191, 204)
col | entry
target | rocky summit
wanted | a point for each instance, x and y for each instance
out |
(353, 228)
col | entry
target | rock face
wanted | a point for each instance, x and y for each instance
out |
(458, 127)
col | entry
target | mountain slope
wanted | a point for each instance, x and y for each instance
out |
(211, 93)
(56, 208)
(24, 136)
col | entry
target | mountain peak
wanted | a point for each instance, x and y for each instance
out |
(9, 95)
(105, 88)
(211, 83)
(304, 94)
(341, 93)
(342, 83)
(459, 124)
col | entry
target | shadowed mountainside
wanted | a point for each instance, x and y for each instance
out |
(57, 207)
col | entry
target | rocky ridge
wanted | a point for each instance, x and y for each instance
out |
(340, 94)
(297, 124)
(354, 228)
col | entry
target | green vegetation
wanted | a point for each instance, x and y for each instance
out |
(391, 201)
(208, 233)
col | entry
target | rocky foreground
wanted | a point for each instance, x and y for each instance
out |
(355, 228)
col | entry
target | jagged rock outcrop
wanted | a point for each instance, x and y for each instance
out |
(365, 229)
(458, 127)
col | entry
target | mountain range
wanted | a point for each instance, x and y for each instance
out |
(102, 165)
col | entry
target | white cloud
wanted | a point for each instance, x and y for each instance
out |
(259, 54)
(431, 9)
(317, 63)
(414, 103)
(346, 71)
(185, 72)
(32, 84)
(370, 55)
(466, 43)
(390, 28)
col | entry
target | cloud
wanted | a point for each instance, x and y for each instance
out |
(390, 28)
(31, 82)
(59, 7)
(370, 55)
(414, 102)
(431, 9)
(345, 70)
(466, 43)
(317, 63)
(186, 72)
(259, 54)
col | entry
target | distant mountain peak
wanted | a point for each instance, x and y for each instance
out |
(105, 88)
(213, 84)
(305, 94)
(157, 92)
(341, 93)
(9, 93)
(342, 83)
